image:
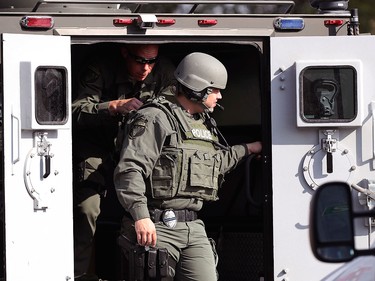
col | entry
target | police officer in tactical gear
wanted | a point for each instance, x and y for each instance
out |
(111, 85)
(171, 162)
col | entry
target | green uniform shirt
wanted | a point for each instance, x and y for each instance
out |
(142, 149)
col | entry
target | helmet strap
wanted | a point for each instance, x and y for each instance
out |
(193, 95)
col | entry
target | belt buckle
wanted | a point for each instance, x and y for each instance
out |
(169, 218)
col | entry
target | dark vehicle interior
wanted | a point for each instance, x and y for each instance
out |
(235, 221)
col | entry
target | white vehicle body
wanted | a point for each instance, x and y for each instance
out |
(38, 208)
(303, 145)
(360, 269)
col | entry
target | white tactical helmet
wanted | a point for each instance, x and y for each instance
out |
(198, 72)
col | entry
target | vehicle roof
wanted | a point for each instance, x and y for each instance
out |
(154, 6)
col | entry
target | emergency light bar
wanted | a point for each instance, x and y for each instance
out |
(138, 21)
(37, 22)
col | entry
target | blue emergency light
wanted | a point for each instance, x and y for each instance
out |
(289, 24)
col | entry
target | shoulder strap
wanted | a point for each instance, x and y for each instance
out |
(166, 106)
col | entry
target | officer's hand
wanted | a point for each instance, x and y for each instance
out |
(124, 106)
(254, 147)
(146, 232)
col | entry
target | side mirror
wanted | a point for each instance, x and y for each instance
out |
(331, 223)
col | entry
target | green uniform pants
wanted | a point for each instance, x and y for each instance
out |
(85, 216)
(188, 244)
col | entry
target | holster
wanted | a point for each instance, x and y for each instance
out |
(151, 264)
(163, 262)
(152, 259)
(136, 256)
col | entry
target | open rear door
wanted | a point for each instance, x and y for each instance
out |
(37, 181)
(322, 104)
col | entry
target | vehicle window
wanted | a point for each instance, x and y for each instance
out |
(51, 96)
(328, 94)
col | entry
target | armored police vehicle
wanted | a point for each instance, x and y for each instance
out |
(301, 83)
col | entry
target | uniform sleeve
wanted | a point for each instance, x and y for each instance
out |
(89, 108)
(230, 158)
(141, 149)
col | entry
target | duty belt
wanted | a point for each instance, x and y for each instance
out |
(170, 217)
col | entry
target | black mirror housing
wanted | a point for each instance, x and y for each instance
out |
(331, 223)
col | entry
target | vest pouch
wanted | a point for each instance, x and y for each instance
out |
(165, 175)
(203, 176)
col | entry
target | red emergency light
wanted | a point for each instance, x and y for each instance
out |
(207, 22)
(166, 21)
(123, 21)
(38, 22)
(334, 22)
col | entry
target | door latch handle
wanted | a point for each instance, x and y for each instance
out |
(47, 163)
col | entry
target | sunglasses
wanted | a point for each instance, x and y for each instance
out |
(142, 60)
